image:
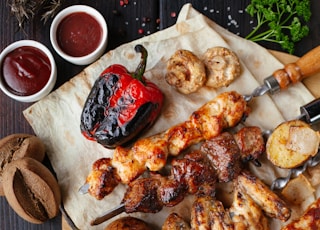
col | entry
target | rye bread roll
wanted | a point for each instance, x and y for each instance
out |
(31, 190)
(16, 146)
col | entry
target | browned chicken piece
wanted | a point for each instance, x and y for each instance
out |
(185, 71)
(208, 213)
(245, 213)
(309, 220)
(250, 142)
(268, 201)
(102, 178)
(175, 222)
(224, 111)
(224, 154)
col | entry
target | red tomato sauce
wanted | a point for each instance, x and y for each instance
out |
(25, 70)
(79, 34)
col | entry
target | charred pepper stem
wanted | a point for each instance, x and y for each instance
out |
(138, 74)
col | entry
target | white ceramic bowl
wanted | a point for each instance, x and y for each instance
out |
(98, 52)
(53, 75)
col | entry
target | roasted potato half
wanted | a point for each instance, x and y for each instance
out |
(292, 143)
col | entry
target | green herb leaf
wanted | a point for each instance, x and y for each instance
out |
(280, 21)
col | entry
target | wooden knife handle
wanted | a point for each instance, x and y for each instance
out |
(307, 65)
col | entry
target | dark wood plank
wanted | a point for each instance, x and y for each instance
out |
(125, 23)
(232, 16)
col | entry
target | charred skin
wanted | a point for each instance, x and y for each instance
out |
(224, 154)
(120, 105)
(189, 175)
(224, 111)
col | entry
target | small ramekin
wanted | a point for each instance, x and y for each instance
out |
(53, 75)
(87, 59)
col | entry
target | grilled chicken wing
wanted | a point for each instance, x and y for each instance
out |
(269, 202)
(208, 213)
(175, 222)
(245, 213)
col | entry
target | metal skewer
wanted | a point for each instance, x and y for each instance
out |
(304, 67)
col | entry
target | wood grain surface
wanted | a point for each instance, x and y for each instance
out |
(126, 23)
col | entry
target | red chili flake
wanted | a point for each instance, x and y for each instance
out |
(124, 2)
(140, 31)
(173, 14)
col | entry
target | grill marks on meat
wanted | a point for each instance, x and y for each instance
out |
(245, 213)
(192, 174)
(224, 155)
(228, 152)
(224, 111)
(250, 142)
(269, 202)
(209, 213)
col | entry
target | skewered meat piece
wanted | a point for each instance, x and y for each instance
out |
(250, 142)
(228, 152)
(175, 222)
(245, 213)
(224, 111)
(224, 154)
(268, 201)
(208, 213)
(191, 174)
(142, 196)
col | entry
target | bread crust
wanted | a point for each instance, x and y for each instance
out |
(16, 146)
(31, 190)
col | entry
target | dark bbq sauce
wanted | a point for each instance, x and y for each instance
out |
(79, 34)
(25, 70)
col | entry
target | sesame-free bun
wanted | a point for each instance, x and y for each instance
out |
(31, 190)
(16, 146)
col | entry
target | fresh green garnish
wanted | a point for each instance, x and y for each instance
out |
(280, 21)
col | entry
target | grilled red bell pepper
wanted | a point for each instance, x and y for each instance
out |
(121, 104)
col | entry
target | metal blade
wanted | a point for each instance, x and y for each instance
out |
(110, 214)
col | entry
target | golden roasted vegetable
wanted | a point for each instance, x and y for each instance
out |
(292, 143)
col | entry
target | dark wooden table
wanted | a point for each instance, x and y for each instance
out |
(126, 23)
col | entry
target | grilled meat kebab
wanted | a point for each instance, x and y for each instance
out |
(195, 173)
(224, 111)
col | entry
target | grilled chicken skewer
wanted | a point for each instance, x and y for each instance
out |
(224, 111)
(219, 159)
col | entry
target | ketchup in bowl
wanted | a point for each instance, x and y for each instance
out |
(25, 70)
(79, 34)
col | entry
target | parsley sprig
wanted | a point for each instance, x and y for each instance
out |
(280, 21)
